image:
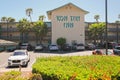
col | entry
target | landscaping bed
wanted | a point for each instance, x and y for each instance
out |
(78, 68)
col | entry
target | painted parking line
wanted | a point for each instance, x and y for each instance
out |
(30, 65)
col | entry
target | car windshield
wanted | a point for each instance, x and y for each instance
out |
(18, 53)
(91, 44)
(80, 45)
(39, 45)
(117, 48)
(24, 44)
(53, 45)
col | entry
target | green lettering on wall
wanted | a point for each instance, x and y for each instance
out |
(75, 18)
(68, 25)
(65, 19)
(62, 18)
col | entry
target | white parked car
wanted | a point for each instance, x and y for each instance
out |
(80, 47)
(39, 47)
(19, 57)
(53, 47)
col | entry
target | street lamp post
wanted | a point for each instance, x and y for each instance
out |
(117, 30)
(106, 27)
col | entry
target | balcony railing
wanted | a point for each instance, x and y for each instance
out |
(113, 29)
(110, 37)
(113, 37)
(10, 38)
(9, 29)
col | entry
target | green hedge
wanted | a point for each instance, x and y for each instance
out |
(78, 68)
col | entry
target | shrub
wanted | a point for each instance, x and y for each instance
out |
(35, 77)
(78, 68)
(61, 41)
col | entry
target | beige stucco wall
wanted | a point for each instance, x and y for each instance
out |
(77, 32)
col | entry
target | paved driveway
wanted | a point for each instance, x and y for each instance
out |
(33, 55)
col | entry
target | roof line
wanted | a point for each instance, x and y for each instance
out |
(65, 5)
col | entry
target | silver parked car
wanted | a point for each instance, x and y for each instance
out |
(80, 47)
(19, 57)
(53, 47)
(39, 47)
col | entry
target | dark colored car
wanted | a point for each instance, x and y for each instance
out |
(2, 48)
(11, 48)
(66, 47)
(90, 46)
(116, 50)
(111, 45)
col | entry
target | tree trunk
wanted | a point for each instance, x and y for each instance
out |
(21, 37)
(40, 40)
(36, 39)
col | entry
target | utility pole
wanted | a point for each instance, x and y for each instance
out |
(117, 30)
(106, 21)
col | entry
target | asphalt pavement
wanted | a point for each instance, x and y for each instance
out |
(33, 55)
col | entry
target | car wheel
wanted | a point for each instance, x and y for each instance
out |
(29, 60)
(8, 66)
(26, 64)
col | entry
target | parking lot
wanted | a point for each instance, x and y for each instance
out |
(33, 55)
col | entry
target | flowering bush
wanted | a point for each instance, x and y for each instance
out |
(78, 68)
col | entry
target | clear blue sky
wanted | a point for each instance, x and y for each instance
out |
(16, 8)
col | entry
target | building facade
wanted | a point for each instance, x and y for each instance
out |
(113, 32)
(11, 32)
(68, 22)
(14, 34)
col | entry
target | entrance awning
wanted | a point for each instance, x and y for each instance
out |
(7, 43)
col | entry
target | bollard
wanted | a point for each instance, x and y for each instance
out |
(20, 68)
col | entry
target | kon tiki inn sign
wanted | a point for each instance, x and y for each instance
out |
(68, 20)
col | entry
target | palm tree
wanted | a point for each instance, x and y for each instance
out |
(42, 17)
(96, 31)
(40, 30)
(23, 27)
(29, 11)
(3, 19)
(7, 20)
(97, 17)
